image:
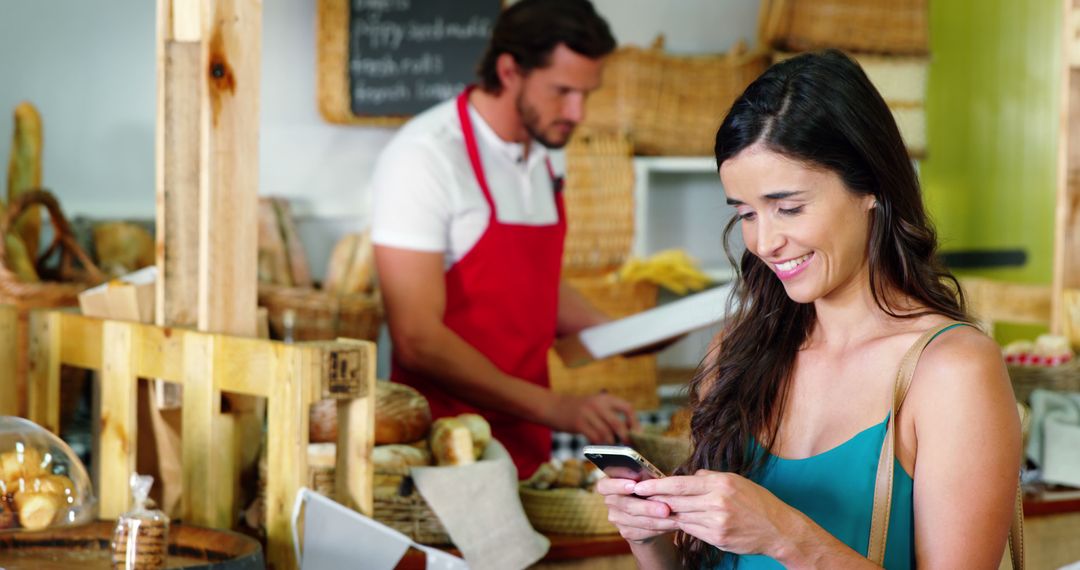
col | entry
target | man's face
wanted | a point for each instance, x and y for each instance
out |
(551, 101)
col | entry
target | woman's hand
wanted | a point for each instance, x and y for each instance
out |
(638, 520)
(725, 510)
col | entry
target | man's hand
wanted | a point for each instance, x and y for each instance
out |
(602, 418)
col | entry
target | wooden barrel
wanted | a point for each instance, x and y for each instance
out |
(88, 547)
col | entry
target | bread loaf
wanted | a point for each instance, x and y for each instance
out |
(479, 430)
(352, 265)
(322, 421)
(397, 459)
(680, 423)
(451, 443)
(402, 415)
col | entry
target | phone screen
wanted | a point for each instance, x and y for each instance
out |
(621, 466)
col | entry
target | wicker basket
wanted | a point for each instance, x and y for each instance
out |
(633, 378)
(318, 315)
(566, 511)
(667, 453)
(1025, 379)
(599, 202)
(671, 104)
(407, 512)
(873, 26)
(902, 81)
(45, 294)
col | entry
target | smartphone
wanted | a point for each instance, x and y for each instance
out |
(621, 462)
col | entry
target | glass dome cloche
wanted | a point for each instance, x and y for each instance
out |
(42, 482)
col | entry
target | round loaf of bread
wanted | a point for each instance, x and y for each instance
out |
(322, 427)
(402, 414)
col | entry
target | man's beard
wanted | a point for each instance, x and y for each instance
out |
(531, 119)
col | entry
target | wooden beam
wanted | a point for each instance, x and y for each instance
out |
(43, 386)
(178, 183)
(119, 420)
(286, 453)
(229, 168)
(354, 481)
(9, 388)
(201, 401)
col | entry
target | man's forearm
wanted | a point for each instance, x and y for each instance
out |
(461, 370)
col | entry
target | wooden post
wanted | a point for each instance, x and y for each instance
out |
(207, 177)
(356, 438)
(119, 420)
(201, 440)
(286, 453)
(9, 387)
(43, 384)
(1067, 219)
(177, 154)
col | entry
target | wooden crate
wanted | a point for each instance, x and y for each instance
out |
(9, 387)
(290, 377)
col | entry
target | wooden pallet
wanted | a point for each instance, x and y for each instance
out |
(9, 386)
(289, 376)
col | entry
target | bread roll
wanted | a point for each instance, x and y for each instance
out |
(36, 510)
(479, 430)
(451, 443)
(401, 414)
(397, 459)
(26, 463)
(572, 475)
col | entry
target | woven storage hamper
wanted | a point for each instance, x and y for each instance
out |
(45, 294)
(319, 315)
(566, 511)
(901, 80)
(671, 104)
(599, 198)
(874, 26)
(1062, 378)
(630, 378)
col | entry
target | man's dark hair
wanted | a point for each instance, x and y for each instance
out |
(529, 30)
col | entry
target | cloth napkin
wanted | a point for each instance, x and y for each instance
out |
(481, 510)
(1055, 436)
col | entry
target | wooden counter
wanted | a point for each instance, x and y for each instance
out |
(606, 552)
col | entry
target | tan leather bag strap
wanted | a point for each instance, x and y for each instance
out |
(879, 518)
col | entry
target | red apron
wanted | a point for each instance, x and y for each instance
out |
(502, 298)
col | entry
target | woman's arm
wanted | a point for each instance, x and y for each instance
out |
(967, 459)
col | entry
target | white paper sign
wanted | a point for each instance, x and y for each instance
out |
(336, 537)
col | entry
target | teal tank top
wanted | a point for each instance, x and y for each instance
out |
(835, 488)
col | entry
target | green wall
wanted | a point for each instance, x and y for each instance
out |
(992, 127)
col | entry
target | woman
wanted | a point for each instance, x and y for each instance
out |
(838, 280)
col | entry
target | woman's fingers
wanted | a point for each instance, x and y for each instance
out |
(613, 486)
(637, 507)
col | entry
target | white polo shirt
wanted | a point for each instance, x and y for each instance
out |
(426, 197)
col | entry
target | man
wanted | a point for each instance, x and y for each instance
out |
(468, 231)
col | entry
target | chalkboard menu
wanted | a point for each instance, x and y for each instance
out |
(390, 59)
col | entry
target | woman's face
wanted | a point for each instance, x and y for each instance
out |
(801, 221)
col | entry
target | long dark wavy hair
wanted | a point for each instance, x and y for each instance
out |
(821, 110)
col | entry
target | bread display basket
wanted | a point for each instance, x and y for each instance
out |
(43, 484)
